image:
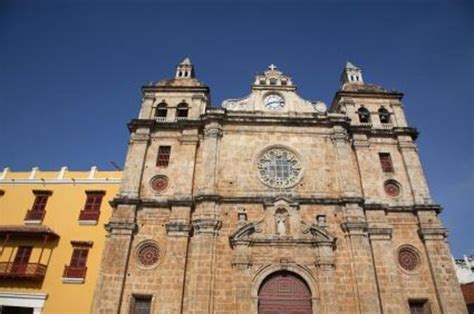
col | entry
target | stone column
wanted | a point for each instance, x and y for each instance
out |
(199, 294)
(326, 263)
(386, 270)
(173, 278)
(414, 170)
(113, 268)
(355, 227)
(444, 277)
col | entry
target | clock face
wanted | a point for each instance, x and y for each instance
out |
(274, 102)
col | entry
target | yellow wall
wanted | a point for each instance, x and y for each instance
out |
(62, 213)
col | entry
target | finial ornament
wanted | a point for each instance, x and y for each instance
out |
(272, 67)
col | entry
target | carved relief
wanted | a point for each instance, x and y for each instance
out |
(281, 222)
(281, 225)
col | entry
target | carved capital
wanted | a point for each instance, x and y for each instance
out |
(213, 132)
(339, 135)
(206, 226)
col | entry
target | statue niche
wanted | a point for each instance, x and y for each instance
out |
(282, 226)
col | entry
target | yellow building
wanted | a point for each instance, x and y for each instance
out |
(52, 235)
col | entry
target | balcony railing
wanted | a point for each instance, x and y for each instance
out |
(35, 215)
(386, 126)
(34, 271)
(74, 272)
(365, 124)
(89, 215)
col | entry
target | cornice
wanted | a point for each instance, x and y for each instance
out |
(396, 131)
(173, 89)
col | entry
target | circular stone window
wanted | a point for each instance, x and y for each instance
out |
(408, 258)
(392, 188)
(159, 183)
(148, 254)
(279, 168)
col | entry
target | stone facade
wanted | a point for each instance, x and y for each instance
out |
(274, 184)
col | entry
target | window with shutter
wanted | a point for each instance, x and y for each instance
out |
(141, 304)
(386, 162)
(163, 158)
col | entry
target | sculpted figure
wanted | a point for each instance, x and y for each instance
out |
(281, 225)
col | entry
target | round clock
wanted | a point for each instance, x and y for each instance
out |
(274, 102)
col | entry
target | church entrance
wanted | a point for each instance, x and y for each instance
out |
(284, 293)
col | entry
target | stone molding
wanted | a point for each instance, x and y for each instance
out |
(380, 233)
(433, 233)
(178, 229)
(243, 237)
(115, 227)
(355, 228)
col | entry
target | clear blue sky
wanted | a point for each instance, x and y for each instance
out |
(70, 73)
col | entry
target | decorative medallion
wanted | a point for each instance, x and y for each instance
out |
(279, 168)
(408, 259)
(392, 188)
(159, 183)
(148, 254)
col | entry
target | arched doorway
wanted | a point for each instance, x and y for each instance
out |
(284, 292)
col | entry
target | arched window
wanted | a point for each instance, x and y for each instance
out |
(384, 115)
(182, 110)
(161, 110)
(364, 115)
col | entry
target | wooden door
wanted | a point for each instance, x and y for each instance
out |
(284, 293)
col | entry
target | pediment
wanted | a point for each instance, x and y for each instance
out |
(252, 234)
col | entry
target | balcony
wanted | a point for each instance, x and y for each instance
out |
(74, 272)
(35, 215)
(31, 271)
(89, 215)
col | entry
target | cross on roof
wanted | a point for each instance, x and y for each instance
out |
(272, 67)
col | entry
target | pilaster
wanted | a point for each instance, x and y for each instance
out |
(355, 228)
(447, 287)
(325, 264)
(414, 170)
(349, 177)
(210, 149)
(199, 291)
(173, 279)
(110, 284)
(388, 280)
(134, 165)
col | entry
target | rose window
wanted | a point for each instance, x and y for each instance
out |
(392, 188)
(279, 168)
(148, 254)
(159, 183)
(408, 259)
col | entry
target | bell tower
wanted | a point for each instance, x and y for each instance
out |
(351, 74)
(185, 69)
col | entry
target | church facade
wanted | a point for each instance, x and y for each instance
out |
(274, 204)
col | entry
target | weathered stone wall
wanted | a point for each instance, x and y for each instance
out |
(221, 231)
